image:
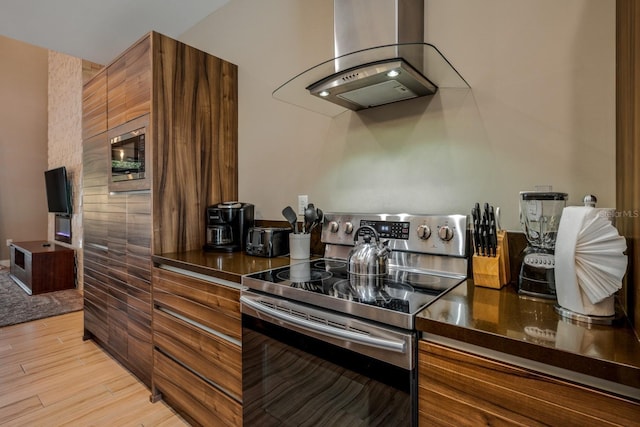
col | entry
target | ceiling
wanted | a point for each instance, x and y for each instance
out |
(98, 30)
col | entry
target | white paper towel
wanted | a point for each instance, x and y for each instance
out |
(589, 261)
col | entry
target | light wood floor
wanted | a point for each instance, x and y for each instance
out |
(50, 377)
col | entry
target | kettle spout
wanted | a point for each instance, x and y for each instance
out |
(384, 249)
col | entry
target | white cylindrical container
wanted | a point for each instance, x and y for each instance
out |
(299, 246)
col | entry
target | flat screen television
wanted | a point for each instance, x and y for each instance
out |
(58, 191)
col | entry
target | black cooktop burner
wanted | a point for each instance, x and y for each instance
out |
(329, 264)
(303, 275)
(326, 283)
(391, 295)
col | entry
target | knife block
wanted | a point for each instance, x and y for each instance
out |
(493, 271)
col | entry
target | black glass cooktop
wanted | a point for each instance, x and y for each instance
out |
(393, 299)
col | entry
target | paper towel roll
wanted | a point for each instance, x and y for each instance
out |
(589, 261)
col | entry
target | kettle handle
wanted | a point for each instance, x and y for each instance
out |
(373, 230)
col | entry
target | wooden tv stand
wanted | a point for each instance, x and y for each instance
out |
(41, 266)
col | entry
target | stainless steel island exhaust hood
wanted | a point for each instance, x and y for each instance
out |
(380, 58)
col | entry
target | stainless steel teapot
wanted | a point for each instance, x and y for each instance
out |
(368, 260)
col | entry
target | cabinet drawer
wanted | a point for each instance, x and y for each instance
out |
(460, 388)
(196, 400)
(212, 357)
(215, 306)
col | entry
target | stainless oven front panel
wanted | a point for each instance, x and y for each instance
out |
(382, 343)
(304, 367)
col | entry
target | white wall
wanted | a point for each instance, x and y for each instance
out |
(541, 109)
(23, 143)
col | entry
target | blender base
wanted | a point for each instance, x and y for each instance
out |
(585, 318)
(536, 294)
(537, 282)
(537, 277)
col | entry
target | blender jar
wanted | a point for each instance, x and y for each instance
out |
(540, 213)
(540, 217)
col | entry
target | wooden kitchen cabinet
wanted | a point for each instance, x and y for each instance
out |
(95, 250)
(117, 266)
(94, 105)
(197, 332)
(129, 84)
(463, 389)
(190, 98)
(117, 272)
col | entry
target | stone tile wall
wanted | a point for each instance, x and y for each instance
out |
(66, 76)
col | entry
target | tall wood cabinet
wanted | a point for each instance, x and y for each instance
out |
(628, 148)
(189, 99)
(117, 252)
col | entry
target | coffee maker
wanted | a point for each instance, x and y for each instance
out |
(227, 226)
(540, 213)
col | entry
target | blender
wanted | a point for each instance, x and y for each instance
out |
(540, 213)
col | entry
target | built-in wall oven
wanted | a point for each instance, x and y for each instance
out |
(130, 156)
(318, 351)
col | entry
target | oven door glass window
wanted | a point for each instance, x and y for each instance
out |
(290, 379)
(127, 156)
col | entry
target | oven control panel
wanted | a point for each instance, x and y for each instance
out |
(429, 234)
(386, 229)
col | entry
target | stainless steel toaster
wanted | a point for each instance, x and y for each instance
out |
(268, 242)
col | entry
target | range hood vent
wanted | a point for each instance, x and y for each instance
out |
(380, 58)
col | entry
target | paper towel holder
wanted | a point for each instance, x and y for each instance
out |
(589, 319)
(610, 301)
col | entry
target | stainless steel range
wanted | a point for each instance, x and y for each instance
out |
(317, 310)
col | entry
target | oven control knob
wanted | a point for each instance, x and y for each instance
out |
(348, 228)
(445, 233)
(424, 232)
(334, 226)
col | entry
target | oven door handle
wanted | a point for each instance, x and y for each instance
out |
(387, 344)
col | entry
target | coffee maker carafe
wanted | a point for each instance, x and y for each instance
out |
(540, 213)
(227, 226)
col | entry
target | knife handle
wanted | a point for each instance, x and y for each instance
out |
(485, 243)
(493, 241)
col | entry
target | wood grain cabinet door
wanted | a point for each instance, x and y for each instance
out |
(94, 220)
(129, 84)
(94, 105)
(462, 389)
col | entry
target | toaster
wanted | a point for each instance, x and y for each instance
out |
(268, 242)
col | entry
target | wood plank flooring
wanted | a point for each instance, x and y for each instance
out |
(49, 376)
